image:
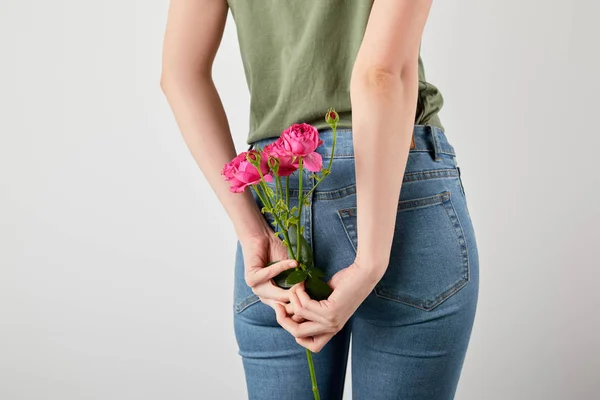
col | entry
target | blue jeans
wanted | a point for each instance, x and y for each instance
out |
(410, 335)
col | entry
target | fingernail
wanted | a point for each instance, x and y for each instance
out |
(292, 263)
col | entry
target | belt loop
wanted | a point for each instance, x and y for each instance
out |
(436, 148)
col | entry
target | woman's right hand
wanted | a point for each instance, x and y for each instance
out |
(258, 250)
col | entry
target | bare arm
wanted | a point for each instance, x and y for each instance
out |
(193, 34)
(384, 92)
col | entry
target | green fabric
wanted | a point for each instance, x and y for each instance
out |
(298, 57)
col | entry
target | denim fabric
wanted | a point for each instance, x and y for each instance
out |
(410, 335)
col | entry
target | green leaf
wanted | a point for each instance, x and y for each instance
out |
(296, 276)
(315, 272)
(317, 289)
(306, 255)
(280, 279)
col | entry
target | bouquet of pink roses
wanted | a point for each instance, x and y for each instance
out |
(293, 151)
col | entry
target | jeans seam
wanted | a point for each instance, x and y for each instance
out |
(246, 302)
(448, 205)
(408, 177)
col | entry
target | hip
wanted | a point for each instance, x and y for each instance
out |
(434, 250)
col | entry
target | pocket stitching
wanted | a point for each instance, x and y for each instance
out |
(453, 288)
(445, 200)
(345, 224)
(462, 235)
(422, 202)
(245, 303)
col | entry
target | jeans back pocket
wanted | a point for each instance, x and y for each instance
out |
(429, 258)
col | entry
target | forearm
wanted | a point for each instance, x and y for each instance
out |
(383, 113)
(202, 121)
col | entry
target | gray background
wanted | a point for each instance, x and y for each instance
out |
(116, 259)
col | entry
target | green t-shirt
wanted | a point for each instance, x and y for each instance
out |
(298, 57)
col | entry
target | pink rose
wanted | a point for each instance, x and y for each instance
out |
(302, 140)
(240, 173)
(287, 163)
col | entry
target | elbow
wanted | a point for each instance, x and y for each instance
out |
(181, 77)
(168, 79)
(165, 80)
(382, 78)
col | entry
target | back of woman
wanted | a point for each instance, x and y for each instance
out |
(389, 227)
(298, 58)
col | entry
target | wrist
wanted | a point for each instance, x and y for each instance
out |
(374, 269)
(251, 227)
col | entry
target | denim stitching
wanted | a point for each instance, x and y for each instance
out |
(407, 205)
(382, 291)
(347, 226)
(427, 305)
(408, 177)
(460, 234)
(466, 255)
(456, 286)
(247, 302)
(445, 148)
(430, 174)
(436, 147)
(417, 204)
(444, 199)
(442, 150)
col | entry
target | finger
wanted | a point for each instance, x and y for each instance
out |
(272, 304)
(271, 291)
(285, 314)
(307, 328)
(269, 302)
(316, 343)
(290, 311)
(308, 303)
(300, 310)
(258, 274)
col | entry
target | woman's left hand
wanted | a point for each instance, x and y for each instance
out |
(325, 318)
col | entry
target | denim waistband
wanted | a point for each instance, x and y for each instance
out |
(427, 138)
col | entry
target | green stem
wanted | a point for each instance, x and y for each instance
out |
(314, 187)
(279, 187)
(300, 203)
(287, 193)
(332, 147)
(276, 188)
(265, 199)
(328, 167)
(313, 377)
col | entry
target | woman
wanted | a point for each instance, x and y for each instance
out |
(407, 290)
